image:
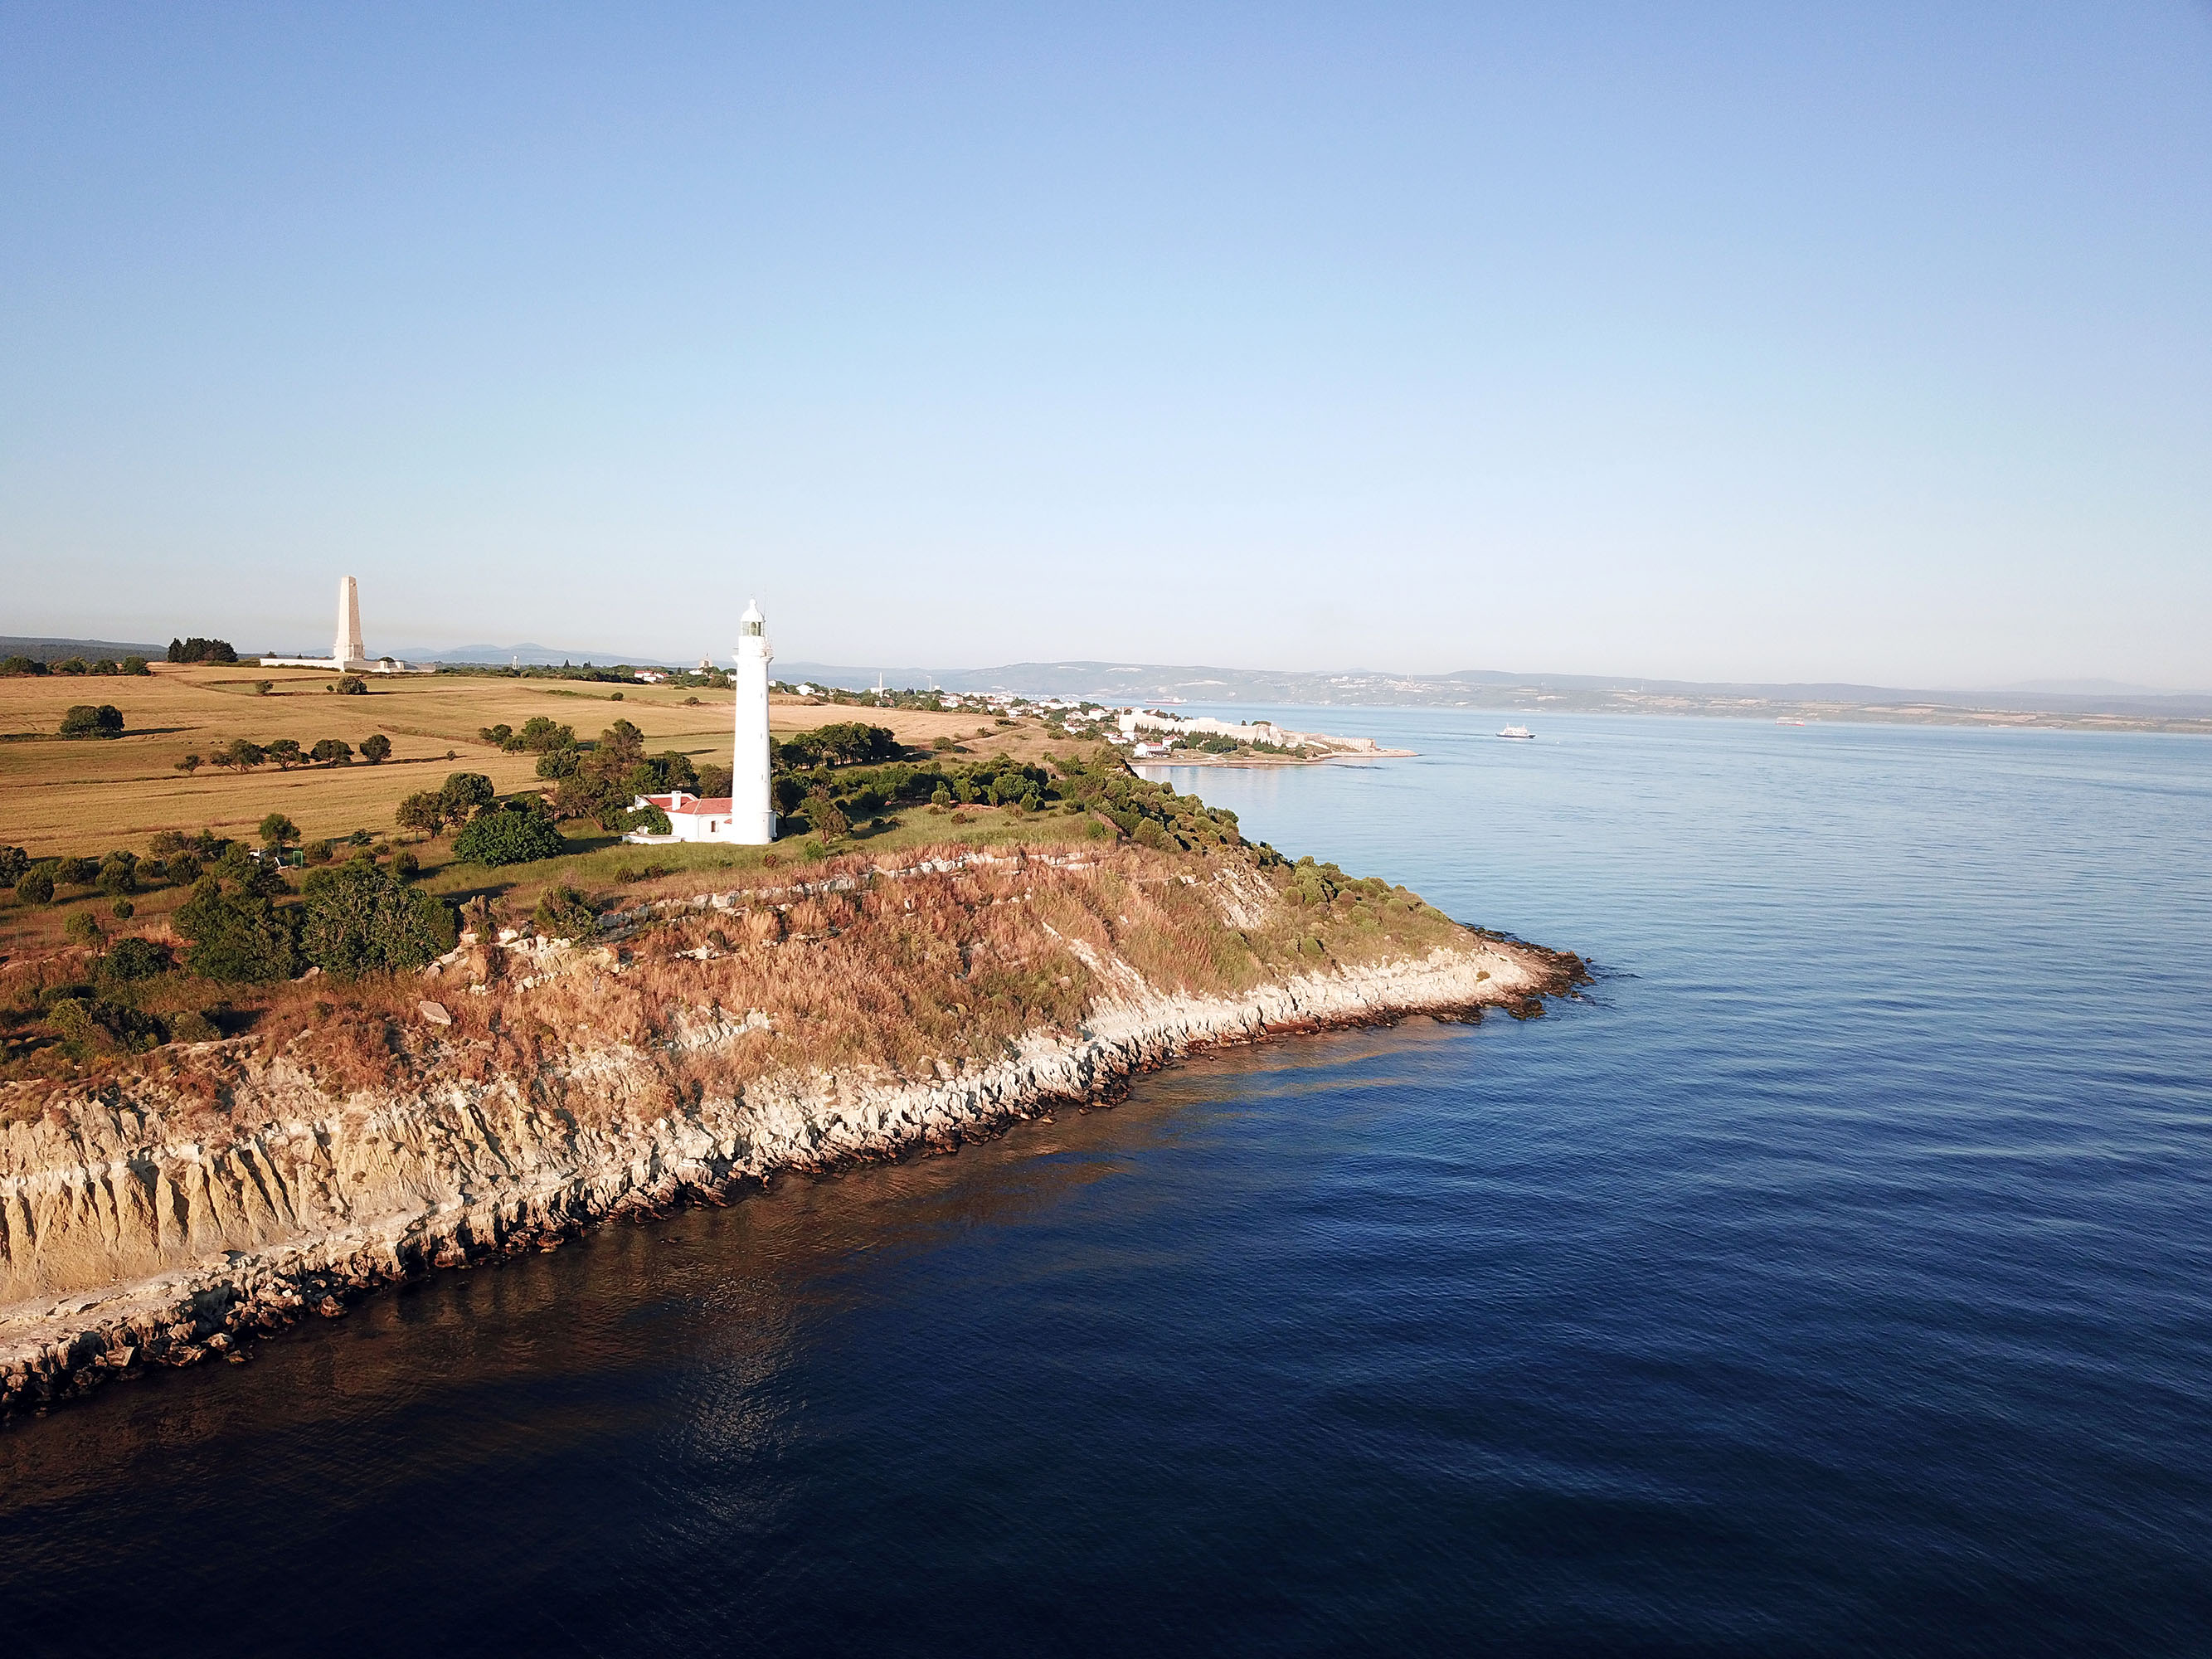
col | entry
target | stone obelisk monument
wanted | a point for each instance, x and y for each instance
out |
(752, 806)
(348, 652)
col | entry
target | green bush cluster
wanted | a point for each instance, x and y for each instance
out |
(117, 874)
(848, 743)
(563, 913)
(87, 719)
(196, 649)
(515, 832)
(21, 667)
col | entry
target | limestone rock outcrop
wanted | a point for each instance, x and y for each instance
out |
(125, 1242)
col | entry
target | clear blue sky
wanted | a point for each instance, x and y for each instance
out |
(1777, 342)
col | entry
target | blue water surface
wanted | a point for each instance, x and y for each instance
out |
(1835, 1277)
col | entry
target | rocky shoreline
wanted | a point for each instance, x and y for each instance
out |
(124, 1245)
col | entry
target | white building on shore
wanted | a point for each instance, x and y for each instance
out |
(746, 816)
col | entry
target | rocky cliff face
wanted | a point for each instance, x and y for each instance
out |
(124, 1241)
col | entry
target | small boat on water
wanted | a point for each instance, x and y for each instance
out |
(1518, 731)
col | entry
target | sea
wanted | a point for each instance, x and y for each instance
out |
(1832, 1276)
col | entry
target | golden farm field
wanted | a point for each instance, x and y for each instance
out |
(90, 795)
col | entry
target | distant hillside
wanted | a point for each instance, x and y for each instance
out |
(91, 650)
(536, 656)
(1108, 682)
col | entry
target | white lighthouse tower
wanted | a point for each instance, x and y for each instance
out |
(752, 807)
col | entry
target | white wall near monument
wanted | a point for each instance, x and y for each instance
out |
(348, 654)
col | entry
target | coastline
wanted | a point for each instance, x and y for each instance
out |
(1200, 757)
(125, 1243)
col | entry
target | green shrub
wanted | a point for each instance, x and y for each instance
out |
(517, 833)
(88, 1026)
(357, 919)
(131, 960)
(85, 721)
(236, 935)
(563, 913)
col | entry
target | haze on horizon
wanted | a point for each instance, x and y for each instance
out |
(1834, 342)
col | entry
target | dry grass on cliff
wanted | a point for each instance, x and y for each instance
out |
(903, 975)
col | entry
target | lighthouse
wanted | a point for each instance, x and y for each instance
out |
(752, 806)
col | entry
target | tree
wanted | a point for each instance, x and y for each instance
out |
(621, 746)
(848, 743)
(240, 755)
(333, 751)
(196, 649)
(357, 919)
(278, 831)
(236, 936)
(823, 814)
(517, 833)
(425, 810)
(376, 749)
(464, 794)
(540, 734)
(673, 770)
(84, 720)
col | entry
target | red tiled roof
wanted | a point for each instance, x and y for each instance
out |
(693, 806)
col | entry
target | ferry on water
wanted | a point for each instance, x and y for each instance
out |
(1518, 731)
